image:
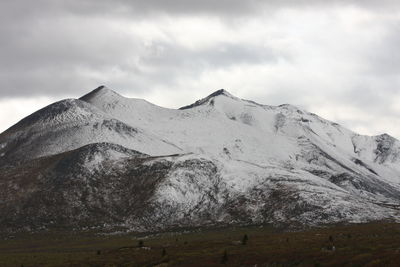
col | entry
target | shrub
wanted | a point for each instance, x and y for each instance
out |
(244, 240)
(224, 258)
(348, 236)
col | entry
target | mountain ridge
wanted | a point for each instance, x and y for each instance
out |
(220, 160)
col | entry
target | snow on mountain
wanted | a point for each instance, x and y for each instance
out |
(221, 159)
(225, 127)
(70, 124)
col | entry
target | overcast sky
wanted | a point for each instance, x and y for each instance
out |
(339, 59)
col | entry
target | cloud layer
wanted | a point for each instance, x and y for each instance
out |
(337, 59)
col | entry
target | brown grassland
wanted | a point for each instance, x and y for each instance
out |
(375, 244)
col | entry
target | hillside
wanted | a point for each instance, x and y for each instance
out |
(107, 161)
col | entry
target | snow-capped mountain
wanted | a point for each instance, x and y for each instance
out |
(108, 161)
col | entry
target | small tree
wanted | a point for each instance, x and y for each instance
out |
(164, 252)
(330, 239)
(244, 240)
(224, 258)
(140, 243)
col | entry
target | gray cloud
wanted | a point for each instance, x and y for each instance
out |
(383, 58)
(25, 8)
(58, 51)
(65, 48)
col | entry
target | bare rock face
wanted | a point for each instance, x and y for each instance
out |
(108, 162)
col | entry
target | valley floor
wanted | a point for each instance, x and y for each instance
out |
(376, 244)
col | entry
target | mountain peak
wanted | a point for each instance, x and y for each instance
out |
(220, 92)
(100, 91)
(385, 137)
(101, 87)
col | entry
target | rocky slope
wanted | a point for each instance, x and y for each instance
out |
(107, 161)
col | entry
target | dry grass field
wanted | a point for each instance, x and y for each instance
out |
(376, 244)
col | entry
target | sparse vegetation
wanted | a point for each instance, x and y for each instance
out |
(370, 245)
(348, 236)
(224, 258)
(244, 239)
